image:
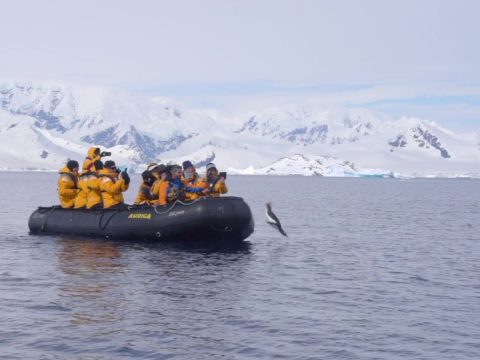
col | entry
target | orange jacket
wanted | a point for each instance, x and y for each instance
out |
(88, 163)
(162, 193)
(112, 189)
(94, 192)
(194, 182)
(67, 187)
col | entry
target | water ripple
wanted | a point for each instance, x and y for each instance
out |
(372, 269)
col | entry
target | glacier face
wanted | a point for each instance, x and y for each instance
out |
(52, 123)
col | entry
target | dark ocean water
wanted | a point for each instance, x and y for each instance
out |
(372, 269)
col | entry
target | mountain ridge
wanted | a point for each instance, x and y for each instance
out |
(61, 122)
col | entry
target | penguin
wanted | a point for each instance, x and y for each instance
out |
(272, 219)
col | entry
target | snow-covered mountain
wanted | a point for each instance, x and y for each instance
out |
(42, 125)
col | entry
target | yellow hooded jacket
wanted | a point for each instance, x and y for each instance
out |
(111, 188)
(67, 187)
(90, 160)
(94, 192)
(82, 196)
(145, 196)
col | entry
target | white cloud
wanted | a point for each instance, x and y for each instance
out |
(408, 46)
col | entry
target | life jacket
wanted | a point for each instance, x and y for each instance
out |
(94, 196)
(82, 197)
(175, 190)
(194, 182)
(144, 196)
(67, 187)
(111, 188)
(215, 187)
(156, 188)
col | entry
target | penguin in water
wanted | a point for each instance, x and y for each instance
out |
(272, 219)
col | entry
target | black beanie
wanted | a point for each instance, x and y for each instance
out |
(98, 165)
(72, 164)
(161, 168)
(109, 164)
(186, 164)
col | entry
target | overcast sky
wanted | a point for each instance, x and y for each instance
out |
(413, 57)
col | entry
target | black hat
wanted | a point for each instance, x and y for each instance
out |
(161, 168)
(146, 174)
(98, 165)
(72, 164)
(186, 164)
(109, 164)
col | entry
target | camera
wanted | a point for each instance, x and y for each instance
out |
(105, 153)
(222, 174)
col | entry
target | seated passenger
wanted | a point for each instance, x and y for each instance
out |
(93, 155)
(174, 188)
(160, 173)
(67, 184)
(112, 186)
(192, 180)
(216, 183)
(94, 195)
(145, 196)
(82, 197)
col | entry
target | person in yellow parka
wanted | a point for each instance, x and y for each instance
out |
(112, 186)
(145, 196)
(94, 197)
(216, 183)
(160, 172)
(81, 198)
(192, 180)
(93, 155)
(67, 184)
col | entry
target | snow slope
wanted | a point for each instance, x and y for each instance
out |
(41, 126)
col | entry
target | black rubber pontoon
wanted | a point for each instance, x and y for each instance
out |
(223, 218)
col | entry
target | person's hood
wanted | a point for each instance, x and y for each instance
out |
(65, 170)
(91, 152)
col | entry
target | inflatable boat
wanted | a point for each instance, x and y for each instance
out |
(223, 218)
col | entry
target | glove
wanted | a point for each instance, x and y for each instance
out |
(125, 177)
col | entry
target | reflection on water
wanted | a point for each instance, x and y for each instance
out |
(77, 256)
(97, 284)
(87, 286)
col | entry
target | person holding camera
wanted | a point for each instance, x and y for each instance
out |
(112, 185)
(93, 155)
(215, 181)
